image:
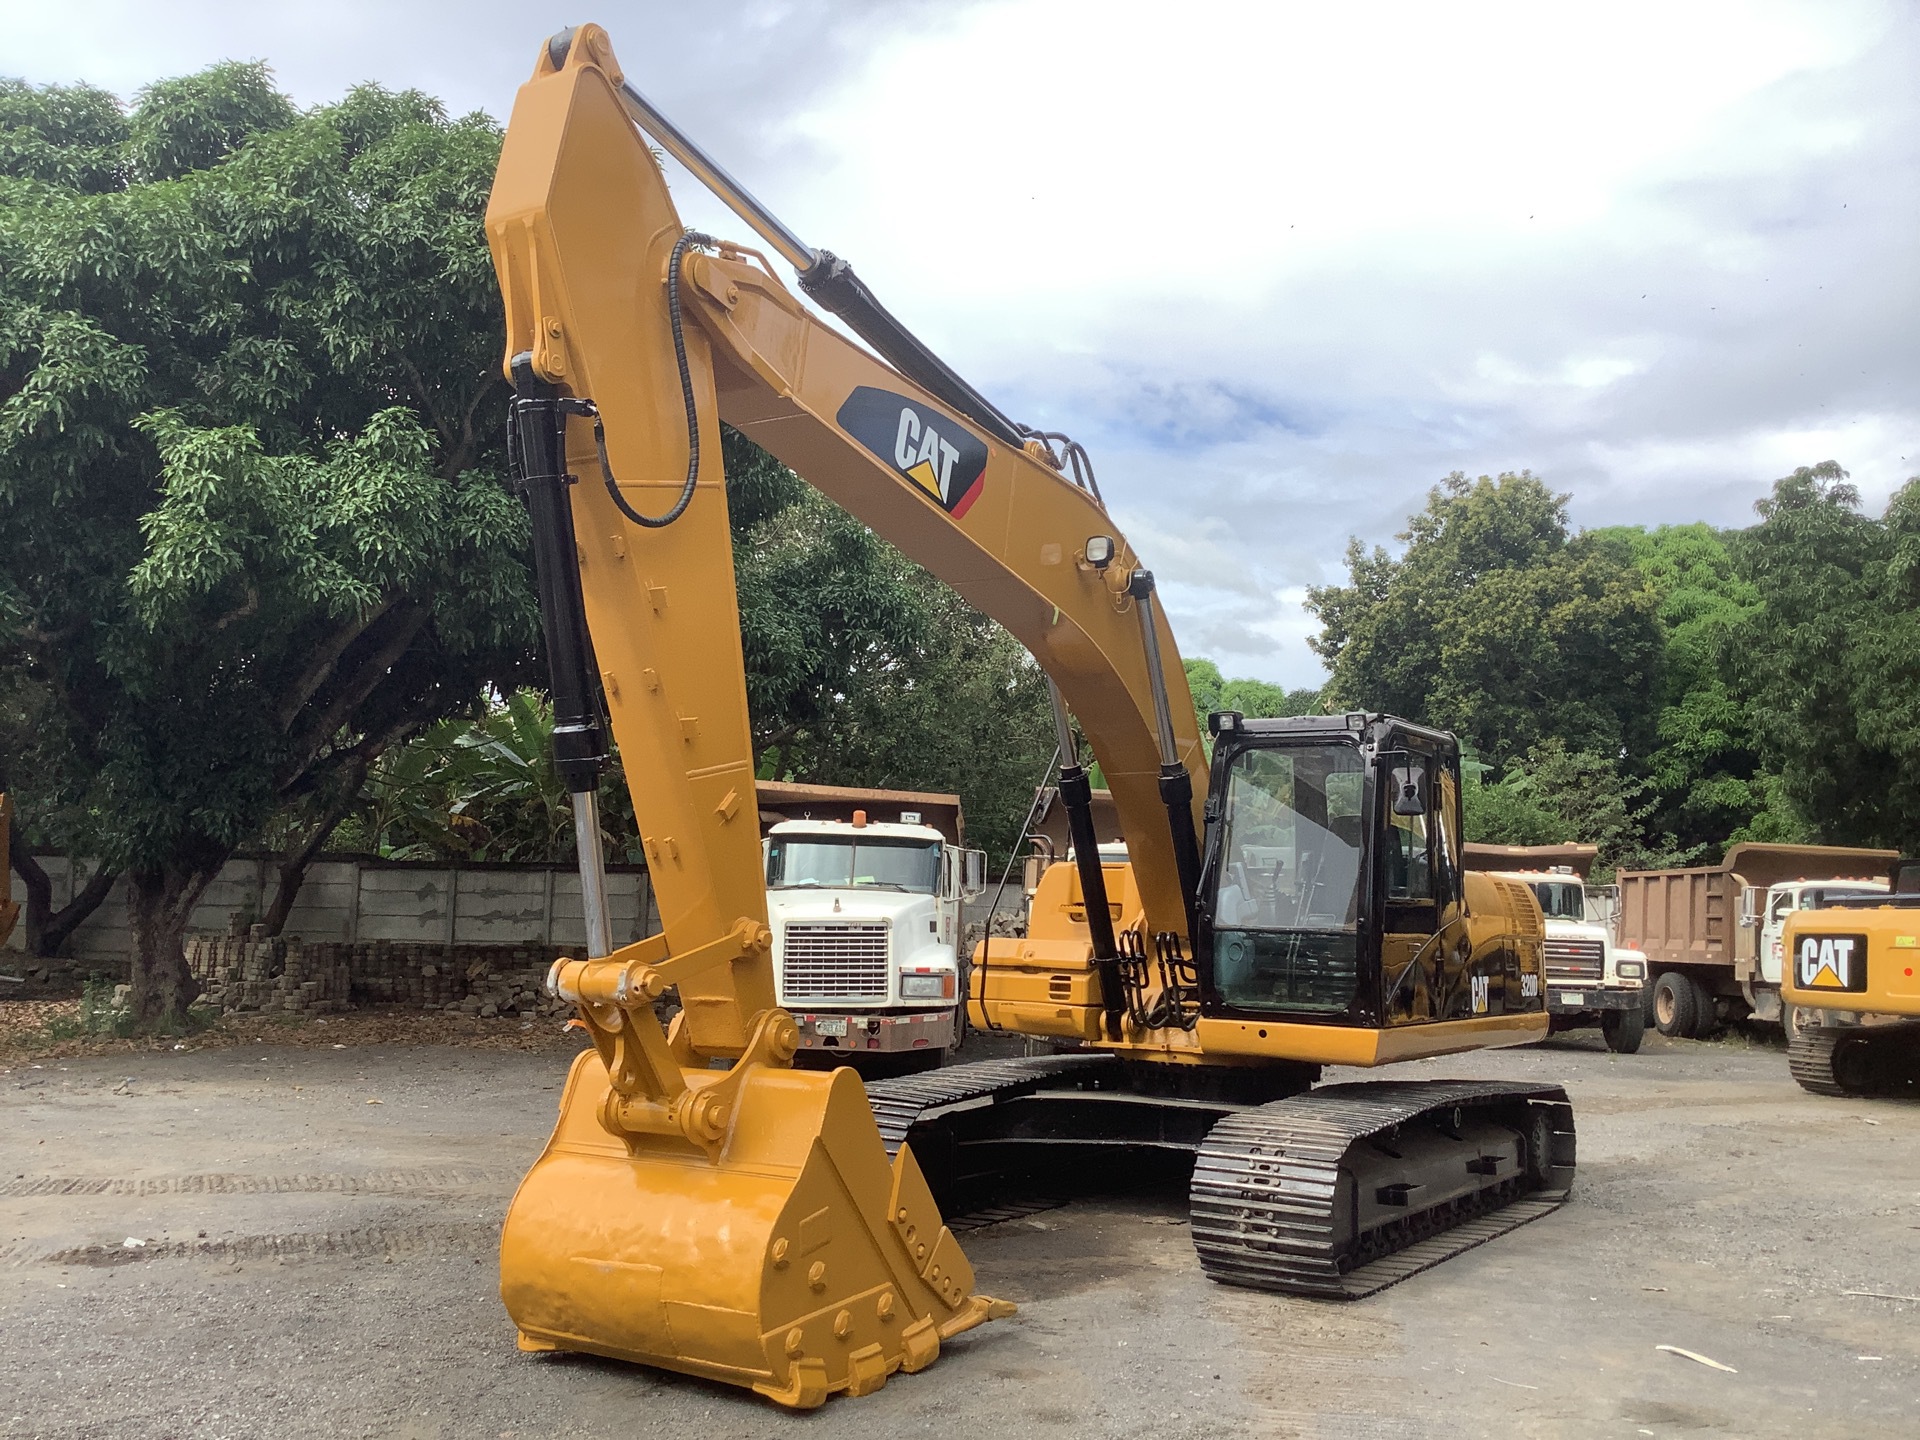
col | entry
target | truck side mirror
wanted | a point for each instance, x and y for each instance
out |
(973, 883)
(1750, 906)
(1410, 790)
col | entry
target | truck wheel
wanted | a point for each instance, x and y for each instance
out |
(1673, 1004)
(1706, 1014)
(1624, 1029)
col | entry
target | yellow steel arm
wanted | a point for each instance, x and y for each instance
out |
(583, 229)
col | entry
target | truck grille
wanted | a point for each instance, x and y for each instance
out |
(1575, 959)
(828, 962)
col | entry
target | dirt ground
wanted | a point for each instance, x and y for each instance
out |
(317, 1229)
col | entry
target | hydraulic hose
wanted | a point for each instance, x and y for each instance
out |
(592, 411)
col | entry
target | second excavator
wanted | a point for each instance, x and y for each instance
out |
(1294, 900)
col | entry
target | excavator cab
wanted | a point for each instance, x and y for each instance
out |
(1333, 866)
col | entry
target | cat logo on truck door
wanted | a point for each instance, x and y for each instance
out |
(928, 448)
(1830, 962)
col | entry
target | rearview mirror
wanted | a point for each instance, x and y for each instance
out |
(1410, 790)
(973, 883)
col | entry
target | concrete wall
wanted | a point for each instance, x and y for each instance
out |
(358, 900)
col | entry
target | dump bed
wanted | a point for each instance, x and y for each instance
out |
(1692, 916)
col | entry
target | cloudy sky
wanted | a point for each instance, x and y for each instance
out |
(1280, 266)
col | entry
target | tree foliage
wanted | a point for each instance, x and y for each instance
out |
(1556, 795)
(1496, 622)
(252, 531)
(1253, 698)
(1830, 659)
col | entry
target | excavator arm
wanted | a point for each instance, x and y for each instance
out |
(701, 1205)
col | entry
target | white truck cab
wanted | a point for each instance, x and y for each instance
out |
(1769, 909)
(866, 930)
(1590, 979)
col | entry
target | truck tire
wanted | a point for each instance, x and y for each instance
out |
(1674, 1005)
(1624, 1029)
(1706, 1013)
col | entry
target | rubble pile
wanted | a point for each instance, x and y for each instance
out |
(248, 970)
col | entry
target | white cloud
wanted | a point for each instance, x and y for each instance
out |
(1282, 265)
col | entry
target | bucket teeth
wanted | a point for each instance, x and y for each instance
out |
(796, 1261)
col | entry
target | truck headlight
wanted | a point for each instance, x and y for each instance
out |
(1632, 969)
(927, 987)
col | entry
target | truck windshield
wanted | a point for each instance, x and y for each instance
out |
(817, 861)
(1286, 900)
(1826, 894)
(1561, 900)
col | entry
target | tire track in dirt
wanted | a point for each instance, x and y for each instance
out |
(383, 1182)
(399, 1242)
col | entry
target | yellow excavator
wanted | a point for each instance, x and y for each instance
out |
(1295, 900)
(1850, 976)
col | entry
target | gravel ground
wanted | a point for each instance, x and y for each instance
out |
(318, 1260)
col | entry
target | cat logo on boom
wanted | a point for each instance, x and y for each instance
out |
(932, 450)
(1831, 962)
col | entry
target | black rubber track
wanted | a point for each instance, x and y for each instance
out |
(899, 1103)
(1266, 1182)
(1810, 1058)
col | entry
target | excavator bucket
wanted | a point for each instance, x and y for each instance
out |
(794, 1260)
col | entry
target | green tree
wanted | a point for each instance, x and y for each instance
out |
(861, 670)
(1254, 698)
(1706, 770)
(1556, 795)
(1498, 623)
(1830, 662)
(252, 531)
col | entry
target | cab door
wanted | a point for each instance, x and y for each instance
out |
(1427, 949)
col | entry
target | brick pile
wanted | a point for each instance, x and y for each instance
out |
(248, 970)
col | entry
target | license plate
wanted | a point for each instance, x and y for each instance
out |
(1574, 998)
(830, 1025)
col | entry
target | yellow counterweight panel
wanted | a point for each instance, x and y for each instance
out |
(1864, 961)
(741, 1223)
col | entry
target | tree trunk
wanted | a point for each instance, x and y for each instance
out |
(49, 929)
(159, 902)
(293, 868)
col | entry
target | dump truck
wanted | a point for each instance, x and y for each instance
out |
(864, 889)
(1591, 979)
(1713, 934)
